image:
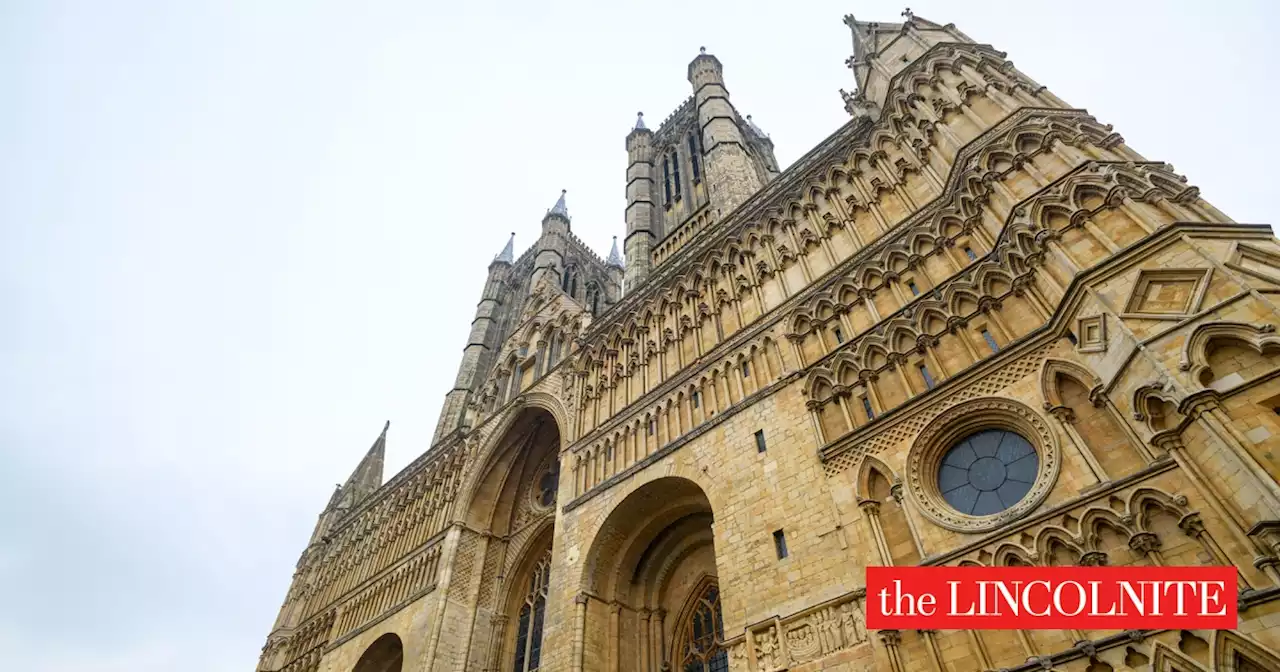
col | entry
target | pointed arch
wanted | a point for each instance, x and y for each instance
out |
(1054, 367)
(1196, 351)
(1235, 652)
(699, 630)
(869, 467)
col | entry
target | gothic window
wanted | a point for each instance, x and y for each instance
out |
(928, 377)
(555, 350)
(700, 647)
(991, 341)
(694, 164)
(987, 472)
(838, 334)
(532, 612)
(746, 369)
(866, 408)
(915, 291)
(675, 172)
(968, 252)
(666, 180)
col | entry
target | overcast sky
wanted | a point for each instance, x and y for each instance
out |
(238, 235)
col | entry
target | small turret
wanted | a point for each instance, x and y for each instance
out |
(731, 175)
(557, 218)
(548, 264)
(507, 255)
(640, 211)
(483, 339)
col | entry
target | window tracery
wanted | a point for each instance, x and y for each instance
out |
(531, 616)
(701, 646)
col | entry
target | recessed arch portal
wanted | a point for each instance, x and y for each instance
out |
(653, 559)
(385, 654)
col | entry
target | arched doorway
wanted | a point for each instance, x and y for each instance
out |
(514, 500)
(385, 654)
(652, 573)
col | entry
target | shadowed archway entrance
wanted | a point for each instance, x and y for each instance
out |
(651, 580)
(515, 502)
(385, 654)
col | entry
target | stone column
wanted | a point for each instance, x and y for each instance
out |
(579, 631)
(895, 491)
(1066, 417)
(614, 635)
(892, 640)
(871, 513)
(645, 665)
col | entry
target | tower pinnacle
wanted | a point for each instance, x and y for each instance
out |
(559, 208)
(507, 255)
(640, 122)
(614, 259)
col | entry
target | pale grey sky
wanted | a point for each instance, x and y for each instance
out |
(238, 235)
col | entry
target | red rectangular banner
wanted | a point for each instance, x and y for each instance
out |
(1050, 598)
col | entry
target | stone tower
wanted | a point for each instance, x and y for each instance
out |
(702, 162)
(971, 327)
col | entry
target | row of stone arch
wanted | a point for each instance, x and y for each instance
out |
(927, 321)
(711, 392)
(552, 340)
(1014, 257)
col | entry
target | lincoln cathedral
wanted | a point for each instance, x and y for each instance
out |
(973, 326)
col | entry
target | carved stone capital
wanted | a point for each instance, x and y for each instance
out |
(1144, 542)
(1094, 559)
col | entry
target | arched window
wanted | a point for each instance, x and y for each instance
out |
(675, 171)
(666, 180)
(555, 349)
(694, 164)
(702, 635)
(532, 612)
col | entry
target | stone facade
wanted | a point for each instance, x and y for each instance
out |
(694, 473)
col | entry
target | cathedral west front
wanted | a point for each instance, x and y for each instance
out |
(971, 327)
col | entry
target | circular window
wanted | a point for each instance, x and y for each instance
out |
(987, 472)
(982, 463)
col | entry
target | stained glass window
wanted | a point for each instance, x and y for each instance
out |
(532, 614)
(988, 472)
(701, 646)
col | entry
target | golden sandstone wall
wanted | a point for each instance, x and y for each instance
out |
(976, 255)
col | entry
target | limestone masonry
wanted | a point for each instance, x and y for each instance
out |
(971, 327)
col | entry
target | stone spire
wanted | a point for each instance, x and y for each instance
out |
(557, 218)
(368, 474)
(640, 122)
(507, 255)
(559, 208)
(755, 129)
(366, 478)
(614, 259)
